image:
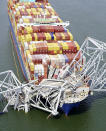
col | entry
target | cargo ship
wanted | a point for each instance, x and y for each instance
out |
(42, 41)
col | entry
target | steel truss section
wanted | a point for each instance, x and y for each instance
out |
(12, 90)
(87, 71)
(90, 68)
(47, 97)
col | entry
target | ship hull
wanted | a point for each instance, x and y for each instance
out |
(14, 41)
(67, 107)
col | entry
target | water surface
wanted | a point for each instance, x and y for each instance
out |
(87, 18)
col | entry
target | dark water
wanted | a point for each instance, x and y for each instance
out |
(88, 18)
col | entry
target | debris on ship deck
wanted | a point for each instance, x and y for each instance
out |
(71, 87)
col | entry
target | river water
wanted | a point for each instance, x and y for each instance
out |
(87, 18)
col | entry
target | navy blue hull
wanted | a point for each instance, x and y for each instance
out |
(68, 107)
(18, 51)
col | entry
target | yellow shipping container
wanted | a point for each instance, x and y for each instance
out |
(48, 36)
(77, 45)
(60, 20)
(47, 12)
(16, 6)
(18, 13)
(32, 66)
(54, 37)
(25, 20)
(56, 46)
(15, 24)
(36, 37)
(40, 9)
(27, 53)
(19, 38)
(26, 64)
(28, 37)
(22, 9)
(22, 38)
(55, 52)
(35, 13)
(33, 9)
(29, 11)
(49, 4)
(63, 36)
(29, 29)
(60, 52)
(31, 49)
(52, 12)
(50, 47)
(34, 47)
(71, 36)
(65, 46)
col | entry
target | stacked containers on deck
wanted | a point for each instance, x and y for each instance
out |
(45, 48)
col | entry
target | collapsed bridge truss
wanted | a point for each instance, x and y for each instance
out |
(50, 94)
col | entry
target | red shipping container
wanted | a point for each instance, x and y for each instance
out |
(39, 58)
(25, 13)
(35, 29)
(72, 47)
(21, 13)
(43, 36)
(27, 6)
(34, 60)
(43, 48)
(58, 29)
(65, 51)
(42, 28)
(67, 37)
(50, 28)
(46, 29)
(31, 5)
(31, 13)
(58, 36)
(39, 36)
(37, 48)
(33, 37)
(25, 32)
(61, 48)
(45, 70)
(40, 48)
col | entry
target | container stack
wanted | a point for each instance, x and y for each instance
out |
(45, 44)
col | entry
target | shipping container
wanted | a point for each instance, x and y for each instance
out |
(44, 43)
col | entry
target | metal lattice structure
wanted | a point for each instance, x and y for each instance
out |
(11, 90)
(93, 69)
(50, 94)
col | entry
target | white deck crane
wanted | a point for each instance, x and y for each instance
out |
(50, 94)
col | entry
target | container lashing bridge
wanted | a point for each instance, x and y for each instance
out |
(50, 94)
